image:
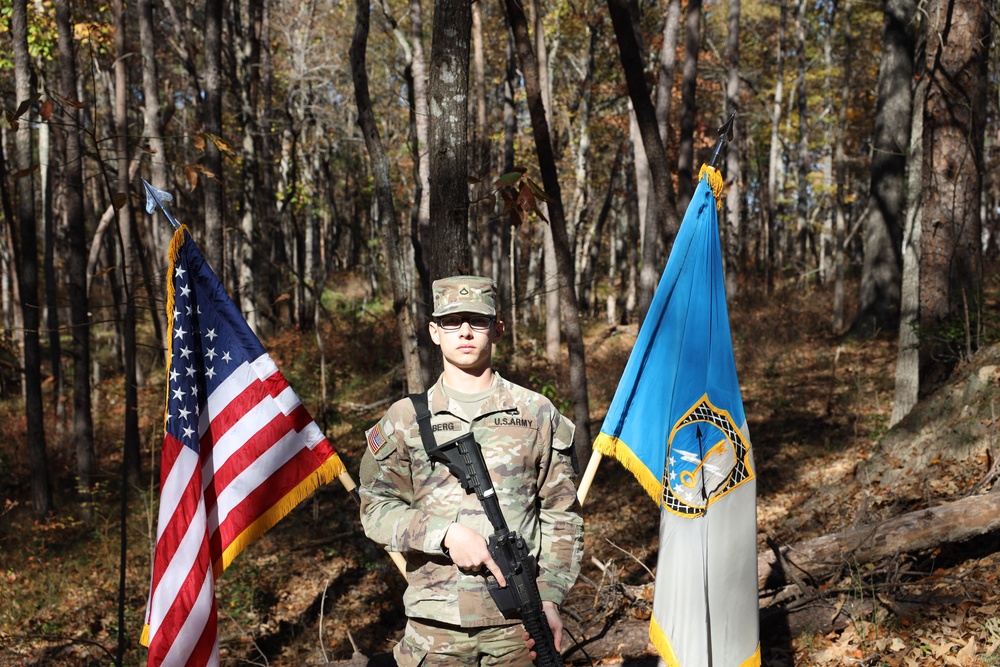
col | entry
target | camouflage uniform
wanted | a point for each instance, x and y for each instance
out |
(408, 506)
(436, 645)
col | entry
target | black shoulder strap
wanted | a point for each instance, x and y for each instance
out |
(424, 422)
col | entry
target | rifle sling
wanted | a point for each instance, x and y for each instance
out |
(424, 423)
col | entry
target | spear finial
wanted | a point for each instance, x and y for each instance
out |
(156, 197)
(724, 133)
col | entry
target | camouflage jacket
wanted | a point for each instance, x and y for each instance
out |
(407, 506)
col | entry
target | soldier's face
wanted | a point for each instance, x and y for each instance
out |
(466, 348)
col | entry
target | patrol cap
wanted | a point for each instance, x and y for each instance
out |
(464, 294)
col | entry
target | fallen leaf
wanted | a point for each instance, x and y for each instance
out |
(192, 176)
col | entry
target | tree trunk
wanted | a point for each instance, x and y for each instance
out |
(484, 227)
(840, 171)
(804, 166)
(557, 218)
(668, 60)
(616, 260)
(581, 199)
(159, 239)
(550, 265)
(246, 249)
(45, 154)
(76, 236)
(689, 109)
(645, 207)
(41, 493)
(820, 558)
(591, 246)
(907, 384)
(631, 235)
(774, 160)
(734, 224)
(508, 272)
(211, 120)
(907, 389)
(661, 219)
(550, 285)
(418, 279)
(883, 227)
(9, 266)
(132, 463)
(383, 192)
(951, 263)
(449, 169)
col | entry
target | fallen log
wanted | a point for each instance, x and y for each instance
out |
(825, 556)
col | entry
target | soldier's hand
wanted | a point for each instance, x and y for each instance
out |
(555, 624)
(468, 551)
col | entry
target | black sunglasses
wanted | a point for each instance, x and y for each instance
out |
(455, 322)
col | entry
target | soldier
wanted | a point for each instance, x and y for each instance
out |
(419, 509)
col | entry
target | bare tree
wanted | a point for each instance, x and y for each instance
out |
(27, 244)
(383, 191)
(246, 248)
(126, 235)
(907, 386)
(951, 262)
(550, 264)
(803, 234)
(734, 235)
(159, 237)
(881, 271)
(557, 220)
(689, 109)
(449, 104)
(668, 60)
(774, 168)
(76, 232)
(839, 164)
(420, 284)
(661, 219)
(211, 121)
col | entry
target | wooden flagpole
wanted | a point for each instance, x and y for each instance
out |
(588, 476)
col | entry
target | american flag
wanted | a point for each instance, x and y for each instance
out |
(239, 452)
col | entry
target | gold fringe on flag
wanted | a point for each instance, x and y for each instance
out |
(175, 248)
(326, 473)
(612, 446)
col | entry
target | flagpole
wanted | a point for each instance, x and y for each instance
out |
(588, 476)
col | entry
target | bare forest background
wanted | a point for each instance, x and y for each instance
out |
(316, 145)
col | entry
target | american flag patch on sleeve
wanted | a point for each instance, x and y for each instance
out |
(375, 438)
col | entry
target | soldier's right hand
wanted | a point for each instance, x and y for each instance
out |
(468, 550)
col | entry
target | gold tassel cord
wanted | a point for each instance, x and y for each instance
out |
(714, 177)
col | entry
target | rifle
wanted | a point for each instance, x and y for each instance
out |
(520, 598)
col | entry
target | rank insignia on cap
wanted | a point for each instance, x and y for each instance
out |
(375, 438)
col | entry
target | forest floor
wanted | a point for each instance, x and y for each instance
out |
(314, 590)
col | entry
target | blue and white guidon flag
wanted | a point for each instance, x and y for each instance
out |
(677, 423)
